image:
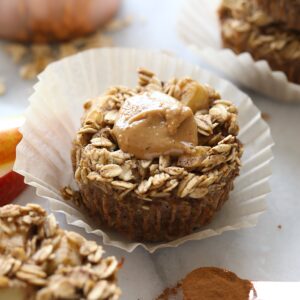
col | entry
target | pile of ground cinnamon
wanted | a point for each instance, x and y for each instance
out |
(212, 284)
(169, 292)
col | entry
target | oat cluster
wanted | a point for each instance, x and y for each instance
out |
(248, 19)
(282, 11)
(97, 159)
(50, 263)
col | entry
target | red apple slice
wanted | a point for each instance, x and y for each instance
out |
(11, 183)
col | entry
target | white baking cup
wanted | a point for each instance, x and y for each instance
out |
(199, 27)
(53, 117)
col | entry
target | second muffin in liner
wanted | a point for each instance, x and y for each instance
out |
(244, 56)
(54, 118)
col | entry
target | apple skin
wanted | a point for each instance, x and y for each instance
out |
(11, 185)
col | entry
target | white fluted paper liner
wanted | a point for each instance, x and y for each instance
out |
(199, 27)
(43, 155)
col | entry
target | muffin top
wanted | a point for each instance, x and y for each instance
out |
(38, 260)
(156, 140)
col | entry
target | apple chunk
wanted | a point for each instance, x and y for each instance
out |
(11, 183)
(9, 139)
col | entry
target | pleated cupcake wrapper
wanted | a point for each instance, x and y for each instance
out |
(53, 117)
(199, 27)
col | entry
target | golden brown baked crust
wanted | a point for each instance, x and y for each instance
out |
(46, 262)
(165, 197)
(285, 11)
(160, 220)
(245, 28)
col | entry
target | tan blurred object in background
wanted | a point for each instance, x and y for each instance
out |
(53, 20)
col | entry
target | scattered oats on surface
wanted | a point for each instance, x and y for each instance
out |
(66, 49)
(118, 24)
(16, 51)
(31, 70)
(34, 58)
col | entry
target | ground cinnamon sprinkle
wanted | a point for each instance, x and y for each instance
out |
(168, 292)
(265, 116)
(211, 284)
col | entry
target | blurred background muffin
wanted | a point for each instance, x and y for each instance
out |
(40, 32)
(44, 21)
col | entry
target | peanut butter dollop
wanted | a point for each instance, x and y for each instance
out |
(153, 124)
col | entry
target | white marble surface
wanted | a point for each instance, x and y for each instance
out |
(261, 253)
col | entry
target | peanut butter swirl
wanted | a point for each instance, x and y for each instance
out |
(153, 124)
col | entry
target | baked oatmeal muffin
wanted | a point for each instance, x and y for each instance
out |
(284, 11)
(157, 161)
(246, 28)
(40, 261)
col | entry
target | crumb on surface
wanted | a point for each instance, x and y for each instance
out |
(169, 291)
(265, 116)
(118, 24)
(2, 88)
